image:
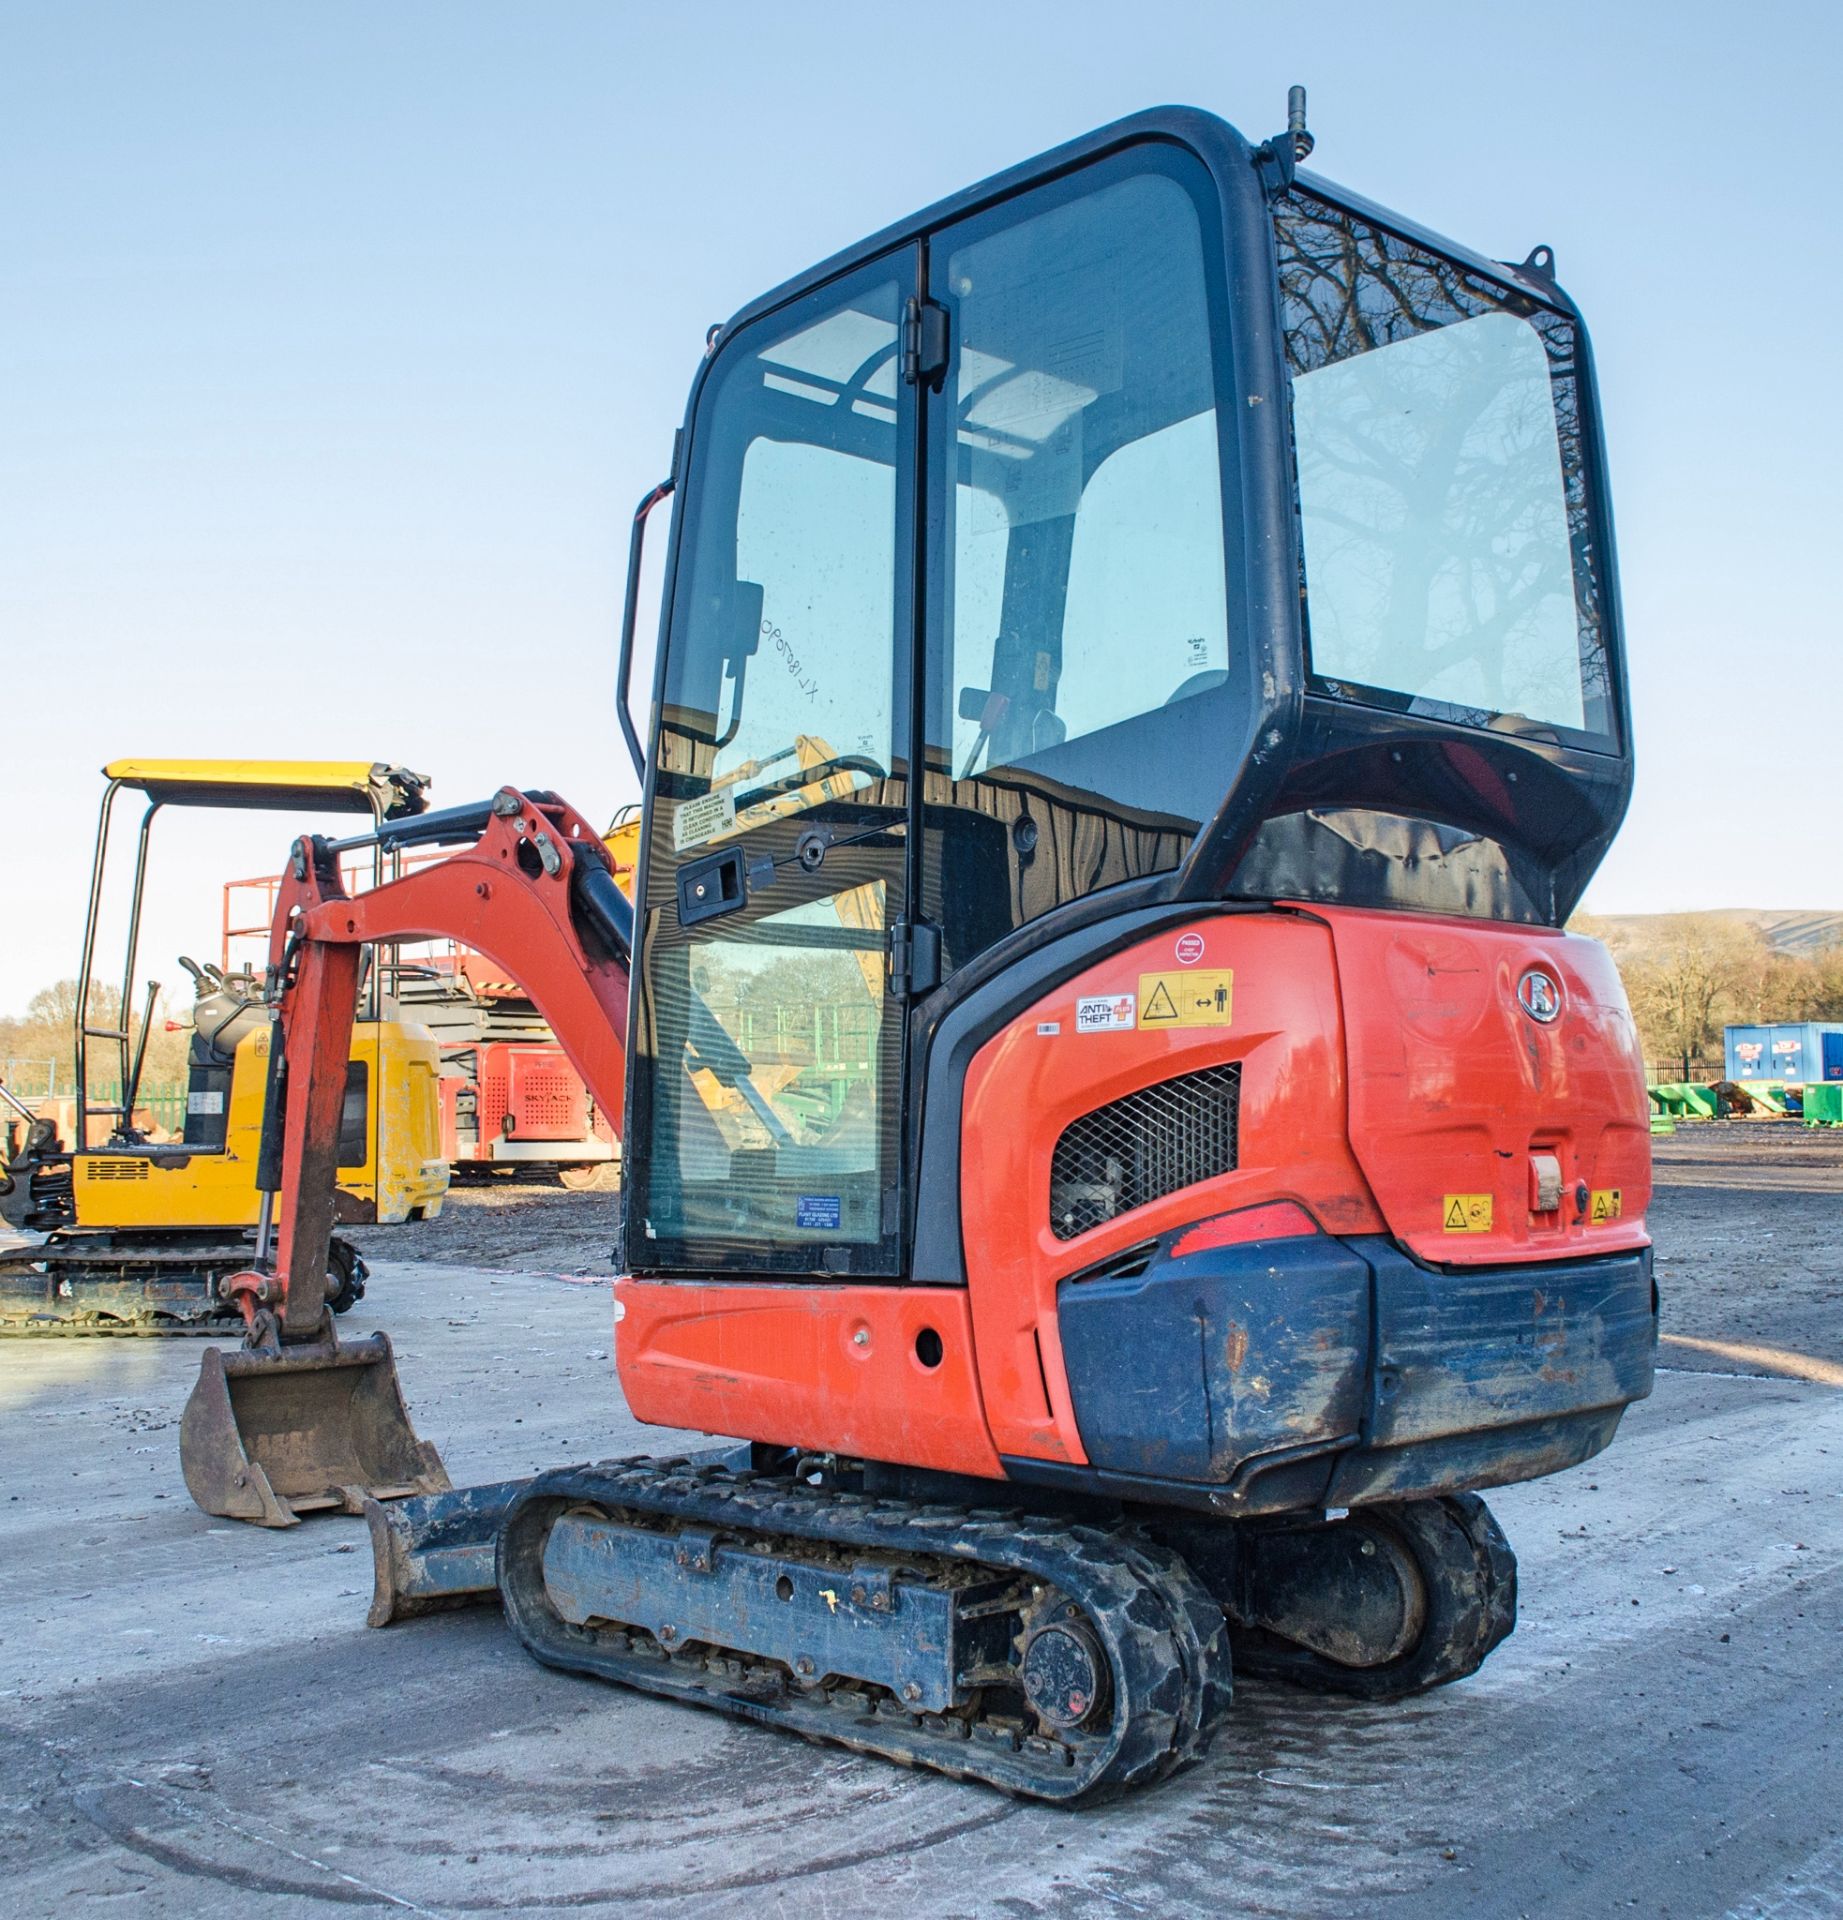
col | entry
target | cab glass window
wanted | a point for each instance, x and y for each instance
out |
(1082, 601)
(782, 670)
(768, 1074)
(1088, 583)
(1448, 545)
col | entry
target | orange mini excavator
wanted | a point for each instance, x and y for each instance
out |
(1203, 582)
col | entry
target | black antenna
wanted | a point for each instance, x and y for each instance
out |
(1295, 122)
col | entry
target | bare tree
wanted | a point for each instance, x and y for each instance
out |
(1689, 975)
(47, 1033)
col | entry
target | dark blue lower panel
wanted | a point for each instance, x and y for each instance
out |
(1503, 1374)
(1186, 1370)
(1315, 1371)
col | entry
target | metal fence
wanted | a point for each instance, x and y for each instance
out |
(163, 1100)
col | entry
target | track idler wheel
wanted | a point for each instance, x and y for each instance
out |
(591, 1176)
(1389, 1602)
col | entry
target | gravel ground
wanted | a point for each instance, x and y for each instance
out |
(1748, 1220)
(195, 1724)
(505, 1226)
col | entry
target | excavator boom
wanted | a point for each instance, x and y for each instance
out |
(299, 1419)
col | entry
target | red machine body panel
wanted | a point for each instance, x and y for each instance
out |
(1382, 1075)
(1384, 1072)
(1051, 1065)
(1455, 1088)
(534, 1088)
(508, 1088)
(843, 1368)
(530, 1083)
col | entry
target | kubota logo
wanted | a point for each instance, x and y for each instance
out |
(1538, 995)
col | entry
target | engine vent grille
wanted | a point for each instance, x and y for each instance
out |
(1138, 1149)
(114, 1169)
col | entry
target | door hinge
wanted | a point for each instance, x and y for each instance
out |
(915, 959)
(924, 344)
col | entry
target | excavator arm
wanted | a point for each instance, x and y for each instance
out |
(535, 894)
(299, 1419)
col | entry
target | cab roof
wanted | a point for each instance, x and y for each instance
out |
(299, 786)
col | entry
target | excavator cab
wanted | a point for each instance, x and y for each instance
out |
(1159, 525)
(1113, 1117)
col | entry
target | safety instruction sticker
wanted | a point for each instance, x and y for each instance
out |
(1203, 997)
(1466, 1213)
(1103, 1013)
(702, 819)
(1603, 1204)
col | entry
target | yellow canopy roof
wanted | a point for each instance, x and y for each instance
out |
(297, 786)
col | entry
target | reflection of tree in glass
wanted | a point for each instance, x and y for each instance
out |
(809, 1028)
(1466, 570)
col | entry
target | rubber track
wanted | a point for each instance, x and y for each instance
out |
(200, 1314)
(1472, 1576)
(1164, 1636)
(59, 1317)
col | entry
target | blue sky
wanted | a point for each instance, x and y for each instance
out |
(337, 342)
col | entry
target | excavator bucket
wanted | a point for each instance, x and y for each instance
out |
(268, 1436)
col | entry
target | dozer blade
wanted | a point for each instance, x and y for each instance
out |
(269, 1436)
(440, 1551)
(436, 1552)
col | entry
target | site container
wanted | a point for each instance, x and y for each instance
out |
(1793, 1051)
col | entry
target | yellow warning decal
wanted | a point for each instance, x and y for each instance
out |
(1605, 1203)
(1466, 1213)
(1196, 997)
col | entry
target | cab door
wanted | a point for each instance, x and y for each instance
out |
(1084, 709)
(768, 1076)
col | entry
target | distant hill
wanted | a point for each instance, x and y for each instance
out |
(1797, 931)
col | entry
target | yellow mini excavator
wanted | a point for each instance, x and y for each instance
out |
(138, 1231)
